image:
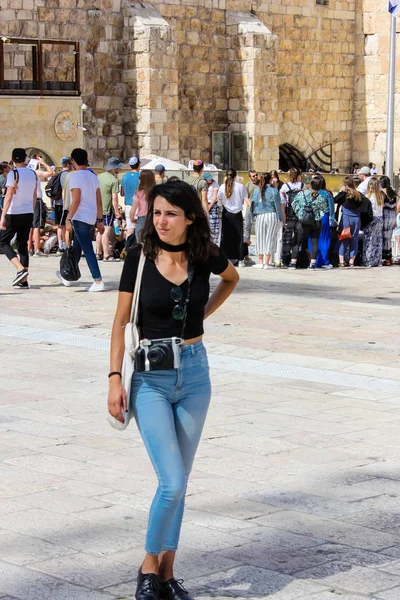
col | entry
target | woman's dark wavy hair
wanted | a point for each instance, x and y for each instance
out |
(265, 180)
(387, 186)
(182, 195)
(316, 185)
(322, 178)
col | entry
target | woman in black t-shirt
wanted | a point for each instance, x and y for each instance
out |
(169, 405)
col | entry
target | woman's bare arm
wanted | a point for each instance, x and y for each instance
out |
(116, 393)
(229, 280)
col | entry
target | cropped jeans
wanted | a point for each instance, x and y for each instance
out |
(83, 240)
(170, 409)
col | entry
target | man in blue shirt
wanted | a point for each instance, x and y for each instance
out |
(129, 184)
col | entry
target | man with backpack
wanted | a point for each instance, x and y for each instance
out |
(55, 191)
(199, 184)
(288, 192)
(17, 215)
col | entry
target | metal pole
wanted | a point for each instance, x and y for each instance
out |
(390, 110)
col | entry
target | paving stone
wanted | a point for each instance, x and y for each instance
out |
(76, 532)
(63, 502)
(222, 504)
(392, 594)
(351, 578)
(24, 549)
(292, 476)
(388, 522)
(27, 584)
(317, 505)
(93, 572)
(242, 582)
(330, 530)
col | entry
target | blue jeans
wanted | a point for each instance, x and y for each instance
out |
(138, 228)
(170, 409)
(352, 220)
(83, 241)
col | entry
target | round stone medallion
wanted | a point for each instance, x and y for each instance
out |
(65, 126)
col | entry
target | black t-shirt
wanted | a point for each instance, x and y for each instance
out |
(155, 302)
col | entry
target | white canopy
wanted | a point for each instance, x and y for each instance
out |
(150, 161)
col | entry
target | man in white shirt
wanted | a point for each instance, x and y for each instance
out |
(365, 176)
(372, 168)
(17, 215)
(85, 213)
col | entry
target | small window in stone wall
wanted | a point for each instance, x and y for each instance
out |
(322, 2)
(230, 149)
(39, 67)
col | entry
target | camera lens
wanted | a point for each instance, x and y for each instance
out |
(156, 355)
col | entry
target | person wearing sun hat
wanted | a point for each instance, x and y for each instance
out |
(365, 176)
(129, 185)
(199, 184)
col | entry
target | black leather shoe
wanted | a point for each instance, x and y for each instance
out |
(148, 586)
(173, 590)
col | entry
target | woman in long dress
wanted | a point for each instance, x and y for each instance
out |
(328, 220)
(372, 247)
(232, 195)
(389, 219)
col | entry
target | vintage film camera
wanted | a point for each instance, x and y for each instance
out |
(157, 355)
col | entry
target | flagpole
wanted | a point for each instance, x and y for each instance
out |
(390, 110)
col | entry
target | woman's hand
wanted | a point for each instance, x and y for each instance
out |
(132, 216)
(117, 399)
(100, 228)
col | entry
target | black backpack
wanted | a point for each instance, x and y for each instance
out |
(290, 194)
(308, 218)
(53, 188)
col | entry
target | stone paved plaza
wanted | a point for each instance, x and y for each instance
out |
(295, 489)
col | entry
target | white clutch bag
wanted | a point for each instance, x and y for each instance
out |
(131, 345)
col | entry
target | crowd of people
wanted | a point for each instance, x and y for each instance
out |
(295, 225)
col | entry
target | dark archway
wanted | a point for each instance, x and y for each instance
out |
(289, 157)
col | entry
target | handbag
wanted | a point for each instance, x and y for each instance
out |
(131, 338)
(345, 234)
(69, 266)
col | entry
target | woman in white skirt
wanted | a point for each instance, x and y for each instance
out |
(267, 209)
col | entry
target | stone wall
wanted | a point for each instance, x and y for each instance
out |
(160, 77)
(371, 85)
(315, 66)
(97, 25)
(29, 122)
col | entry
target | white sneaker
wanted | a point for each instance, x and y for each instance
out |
(39, 254)
(241, 263)
(97, 287)
(269, 267)
(327, 266)
(258, 266)
(63, 281)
